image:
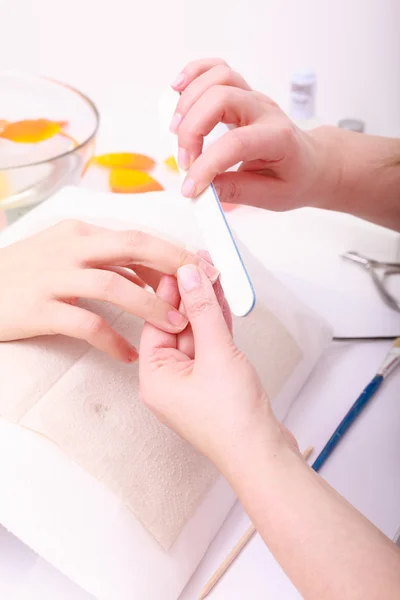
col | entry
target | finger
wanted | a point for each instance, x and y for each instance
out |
(254, 189)
(219, 104)
(82, 324)
(185, 339)
(217, 75)
(193, 70)
(98, 284)
(153, 339)
(243, 144)
(219, 294)
(122, 248)
(210, 332)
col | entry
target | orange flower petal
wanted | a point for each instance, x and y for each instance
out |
(124, 160)
(31, 131)
(227, 207)
(128, 181)
(170, 162)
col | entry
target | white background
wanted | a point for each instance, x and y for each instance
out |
(122, 52)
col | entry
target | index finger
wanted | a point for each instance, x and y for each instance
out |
(132, 247)
(193, 70)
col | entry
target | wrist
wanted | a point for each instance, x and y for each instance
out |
(328, 158)
(260, 446)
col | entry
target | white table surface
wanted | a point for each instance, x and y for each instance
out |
(364, 468)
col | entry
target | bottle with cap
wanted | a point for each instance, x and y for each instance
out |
(303, 99)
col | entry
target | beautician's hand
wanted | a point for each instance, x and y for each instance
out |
(42, 277)
(282, 167)
(215, 401)
(205, 388)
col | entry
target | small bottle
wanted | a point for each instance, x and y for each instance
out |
(352, 125)
(303, 99)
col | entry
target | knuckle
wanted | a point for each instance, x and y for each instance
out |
(133, 238)
(151, 305)
(218, 94)
(73, 226)
(106, 282)
(200, 305)
(286, 132)
(225, 72)
(238, 140)
(92, 326)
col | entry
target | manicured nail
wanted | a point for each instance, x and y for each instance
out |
(183, 158)
(176, 121)
(207, 256)
(177, 319)
(211, 272)
(133, 355)
(179, 80)
(188, 188)
(189, 276)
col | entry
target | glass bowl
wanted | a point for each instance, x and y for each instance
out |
(47, 133)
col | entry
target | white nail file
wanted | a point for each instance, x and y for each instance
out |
(215, 230)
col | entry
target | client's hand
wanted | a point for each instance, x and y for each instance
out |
(42, 277)
(209, 393)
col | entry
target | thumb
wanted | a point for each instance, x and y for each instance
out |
(251, 188)
(210, 331)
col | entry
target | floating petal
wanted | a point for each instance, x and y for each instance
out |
(124, 160)
(31, 131)
(128, 181)
(170, 163)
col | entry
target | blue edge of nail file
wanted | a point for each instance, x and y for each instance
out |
(216, 232)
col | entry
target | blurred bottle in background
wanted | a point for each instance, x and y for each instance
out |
(302, 105)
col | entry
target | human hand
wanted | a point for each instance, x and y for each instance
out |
(43, 276)
(282, 167)
(204, 387)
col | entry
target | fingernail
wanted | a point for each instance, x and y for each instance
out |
(188, 188)
(179, 80)
(183, 158)
(133, 355)
(207, 256)
(217, 189)
(177, 319)
(176, 121)
(211, 272)
(189, 276)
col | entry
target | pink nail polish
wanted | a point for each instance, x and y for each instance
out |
(179, 80)
(177, 319)
(188, 188)
(189, 276)
(133, 355)
(211, 272)
(183, 158)
(207, 256)
(217, 189)
(176, 121)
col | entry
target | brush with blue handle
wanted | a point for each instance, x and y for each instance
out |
(390, 363)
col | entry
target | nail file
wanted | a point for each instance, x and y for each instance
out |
(215, 230)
